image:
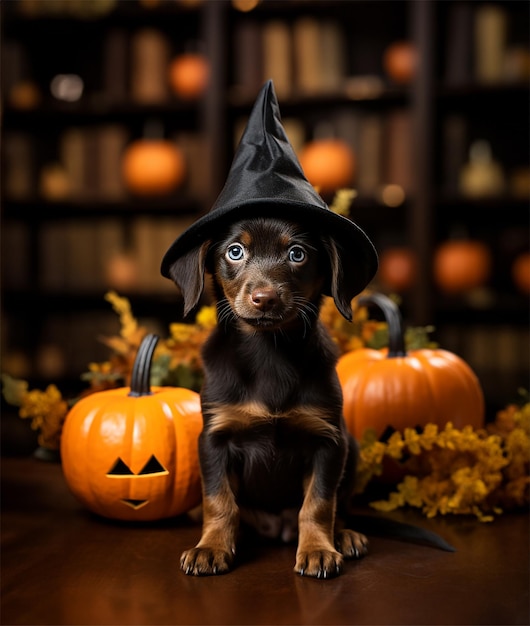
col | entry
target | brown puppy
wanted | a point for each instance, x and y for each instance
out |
(274, 450)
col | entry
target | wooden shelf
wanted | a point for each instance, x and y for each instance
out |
(508, 308)
(97, 109)
(379, 96)
(39, 210)
(130, 14)
(142, 303)
(471, 91)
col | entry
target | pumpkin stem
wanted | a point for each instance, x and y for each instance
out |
(141, 374)
(392, 315)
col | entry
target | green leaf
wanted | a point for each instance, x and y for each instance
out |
(101, 377)
(379, 339)
(417, 338)
(184, 376)
(160, 370)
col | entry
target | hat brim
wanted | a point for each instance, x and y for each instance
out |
(346, 234)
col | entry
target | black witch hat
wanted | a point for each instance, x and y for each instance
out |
(266, 180)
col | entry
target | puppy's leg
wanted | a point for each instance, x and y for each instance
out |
(316, 555)
(215, 551)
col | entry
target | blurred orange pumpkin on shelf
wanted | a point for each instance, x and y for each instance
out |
(153, 167)
(521, 272)
(131, 453)
(25, 95)
(400, 61)
(328, 164)
(188, 75)
(121, 271)
(461, 265)
(403, 389)
(397, 268)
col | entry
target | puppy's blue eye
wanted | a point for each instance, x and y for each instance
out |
(235, 252)
(297, 254)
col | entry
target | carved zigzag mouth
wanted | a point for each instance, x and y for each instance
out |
(135, 504)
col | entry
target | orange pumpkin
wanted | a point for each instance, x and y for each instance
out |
(122, 271)
(403, 390)
(521, 272)
(400, 61)
(188, 75)
(397, 268)
(461, 265)
(131, 453)
(328, 164)
(153, 167)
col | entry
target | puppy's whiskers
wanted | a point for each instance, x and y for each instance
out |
(224, 312)
(306, 311)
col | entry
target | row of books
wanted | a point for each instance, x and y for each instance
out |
(482, 45)
(498, 354)
(310, 55)
(67, 344)
(134, 68)
(87, 256)
(87, 165)
(307, 56)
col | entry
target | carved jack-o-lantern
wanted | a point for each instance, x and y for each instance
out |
(131, 453)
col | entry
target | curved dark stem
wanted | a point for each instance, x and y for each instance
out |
(396, 340)
(141, 374)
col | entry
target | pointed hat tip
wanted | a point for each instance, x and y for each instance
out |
(268, 93)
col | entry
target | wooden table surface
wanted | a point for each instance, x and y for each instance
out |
(62, 565)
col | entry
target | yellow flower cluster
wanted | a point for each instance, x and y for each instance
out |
(207, 318)
(47, 411)
(186, 340)
(477, 472)
(131, 334)
(350, 335)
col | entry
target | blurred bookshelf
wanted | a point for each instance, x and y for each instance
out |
(72, 228)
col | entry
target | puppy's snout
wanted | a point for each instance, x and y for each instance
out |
(264, 299)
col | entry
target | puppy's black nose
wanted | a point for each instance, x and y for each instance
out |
(264, 299)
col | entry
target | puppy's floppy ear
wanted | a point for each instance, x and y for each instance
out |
(342, 285)
(188, 274)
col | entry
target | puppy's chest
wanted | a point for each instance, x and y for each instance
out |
(244, 419)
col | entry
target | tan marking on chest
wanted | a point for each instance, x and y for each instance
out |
(233, 417)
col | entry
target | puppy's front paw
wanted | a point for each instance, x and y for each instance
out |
(206, 561)
(318, 563)
(350, 544)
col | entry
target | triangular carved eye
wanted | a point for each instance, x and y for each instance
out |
(153, 466)
(120, 469)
